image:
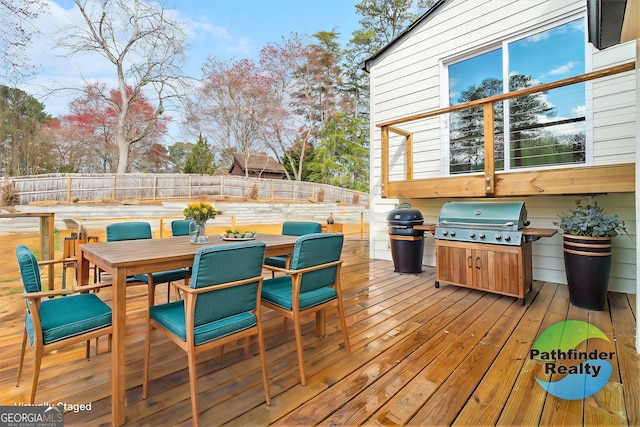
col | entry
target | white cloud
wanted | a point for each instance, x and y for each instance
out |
(563, 69)
(579, 110)
(241, 45)
(209, 29)
(544, 35)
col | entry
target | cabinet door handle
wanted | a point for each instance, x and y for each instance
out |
(478, 263)
(469, 262)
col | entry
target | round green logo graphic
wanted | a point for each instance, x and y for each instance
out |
(557, 344)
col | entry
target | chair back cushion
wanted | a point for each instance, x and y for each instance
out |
(28, 269)
(135, 230)
(316, 249)
(223, 264)
(300, 228)
(180, 227)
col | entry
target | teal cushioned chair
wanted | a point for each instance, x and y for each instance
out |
(137, 230)
(311, 284)
(293, 228)
(221, 305)
(180, 227)
(53, 323)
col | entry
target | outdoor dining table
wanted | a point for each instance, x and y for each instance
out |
(126, 258)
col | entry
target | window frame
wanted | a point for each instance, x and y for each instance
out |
(503, 44)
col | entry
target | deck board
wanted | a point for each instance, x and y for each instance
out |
(420, 356)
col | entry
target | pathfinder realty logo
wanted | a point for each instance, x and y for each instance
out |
(585, 372)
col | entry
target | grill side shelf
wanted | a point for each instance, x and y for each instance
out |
(533, 234)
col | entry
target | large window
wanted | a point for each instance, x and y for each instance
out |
(530, 131)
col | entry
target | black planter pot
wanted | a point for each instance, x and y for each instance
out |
(587, 262)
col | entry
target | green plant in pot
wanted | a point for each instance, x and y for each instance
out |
(587, 233)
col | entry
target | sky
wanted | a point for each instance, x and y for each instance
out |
(221, 28)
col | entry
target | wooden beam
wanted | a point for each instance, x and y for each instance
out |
(384, 172)
(618, 178)
(429, 188)
(489, 145)
(409, 159)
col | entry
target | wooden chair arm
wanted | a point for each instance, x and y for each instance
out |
(60, 292)
(46, 262)
(303, 270)
(91, 287)
(193, 291)
(274, 268)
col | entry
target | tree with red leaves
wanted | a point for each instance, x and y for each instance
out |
(87, 134)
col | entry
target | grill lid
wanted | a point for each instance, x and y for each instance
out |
(405, 215)
(506, 215)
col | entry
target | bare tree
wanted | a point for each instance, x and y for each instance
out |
(289, 128)
(16, 30)
(145, 46)
(231, 108)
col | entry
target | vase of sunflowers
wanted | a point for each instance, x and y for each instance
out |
(199, 214)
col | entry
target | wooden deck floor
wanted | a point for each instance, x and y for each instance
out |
(420, 356)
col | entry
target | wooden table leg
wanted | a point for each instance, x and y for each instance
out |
(118, 349)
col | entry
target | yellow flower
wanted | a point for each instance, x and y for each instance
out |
(199, 212)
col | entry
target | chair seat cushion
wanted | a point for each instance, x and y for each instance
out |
(276, 261)
(278, 291)
(164, 276)
(171, 317)
(69, 316)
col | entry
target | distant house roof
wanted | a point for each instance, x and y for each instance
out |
(260, 163)
(220, 172)
(366, 66)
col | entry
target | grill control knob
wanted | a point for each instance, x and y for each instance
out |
(445, 232)
(498, 236)
(453, 233)
(482, 236)
(472, 234)
(507, 237)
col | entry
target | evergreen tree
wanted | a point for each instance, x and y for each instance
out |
(178, 153)
(23, 150)
(342, 155)
(200, 159)
(381, 22)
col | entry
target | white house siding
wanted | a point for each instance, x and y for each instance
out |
(405, 80)
(614, 107)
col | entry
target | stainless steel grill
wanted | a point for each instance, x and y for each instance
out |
(486, 246)
(499, 223)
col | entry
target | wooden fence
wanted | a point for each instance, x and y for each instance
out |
(75, 187)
